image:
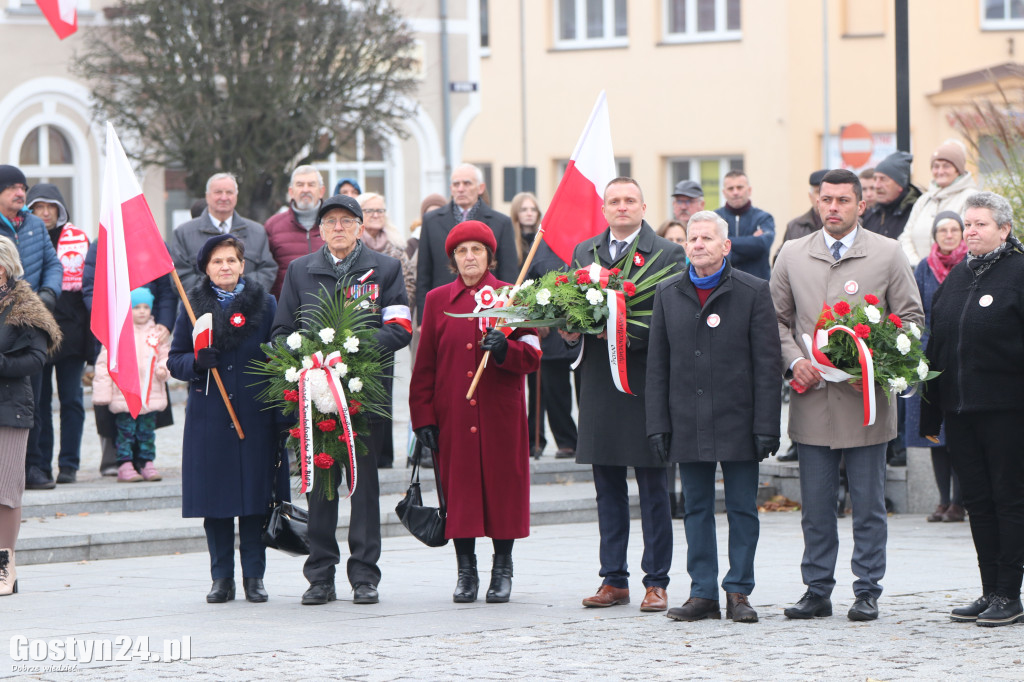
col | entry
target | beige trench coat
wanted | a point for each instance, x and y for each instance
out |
(804, 278)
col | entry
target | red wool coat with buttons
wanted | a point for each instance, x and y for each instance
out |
(485, 455)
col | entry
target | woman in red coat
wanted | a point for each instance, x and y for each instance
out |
(482, 444)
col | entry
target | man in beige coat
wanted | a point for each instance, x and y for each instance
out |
(843, 261)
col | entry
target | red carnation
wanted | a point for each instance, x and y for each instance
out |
(895, 319)
(862, 330)
(561, 279)
(826, 314)
(323, 461)
(841, 308)
(291, 395)
(871, 299)
(582, 277)
(345, 440)
(295, 433)
(327, 425)
(629, 288)
(354, 407)
(615, 271)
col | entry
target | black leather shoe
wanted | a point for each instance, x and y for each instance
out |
(696, 608)
(37, 479)
(501, 579)
(254, 591)
(468, 584)
(864, 608)
(1001, 611)
(810, 606)
(223, 590)
(67, 475)
(788, 456)
(970, 613)
(319, 593)
(365, 593)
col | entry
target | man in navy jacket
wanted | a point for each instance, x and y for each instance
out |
(751, 230)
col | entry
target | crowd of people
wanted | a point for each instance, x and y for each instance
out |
(704, 377)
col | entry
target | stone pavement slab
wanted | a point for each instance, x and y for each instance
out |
(417, 633)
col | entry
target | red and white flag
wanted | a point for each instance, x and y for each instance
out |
(575, 212)
(130, 253)
(202, 332)
(62, 15)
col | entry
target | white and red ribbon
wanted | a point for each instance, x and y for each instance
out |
(615, 329)
(830, 372)
(322, 364)
(152, 341)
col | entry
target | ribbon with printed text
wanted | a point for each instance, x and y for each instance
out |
(322, 364)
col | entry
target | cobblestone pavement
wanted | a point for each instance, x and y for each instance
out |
(416, 633)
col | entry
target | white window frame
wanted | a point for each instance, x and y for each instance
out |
(581, 41)
(724, 166)
(691, 35)
(334, 167)
(1004, 24)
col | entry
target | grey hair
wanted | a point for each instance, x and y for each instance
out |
(220, 176)
(476, 171)
(997, 205)
(307, 170)
(710, 217)
(10, 260)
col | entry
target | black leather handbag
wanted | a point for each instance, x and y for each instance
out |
(286, 527)
(425, 523)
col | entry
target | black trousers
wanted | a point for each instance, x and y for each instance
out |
(556, 403)
(363, 529)
(988, 456)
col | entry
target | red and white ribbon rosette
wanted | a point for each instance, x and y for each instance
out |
(322, 364)
(615, 328)
(486, 299)
(830, 372)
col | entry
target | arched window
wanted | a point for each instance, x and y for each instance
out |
(364, 158)
(46, 156)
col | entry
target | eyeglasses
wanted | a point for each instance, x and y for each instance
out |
(374, 211)
(345, 223)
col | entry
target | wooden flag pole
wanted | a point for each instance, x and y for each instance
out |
(519, 280)
(216, 374)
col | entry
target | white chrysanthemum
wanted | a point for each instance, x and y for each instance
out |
(355, 384)
(899, 384)
(873, 313)
(294, 340)
(922, 370)
(594, 296)
(915, 330)
(351, 344)
(307, 362)
(544, 296)
(340, 369)
(326, 335)
(320, 393)
(291, 374)
(526, 284)
(903, 344)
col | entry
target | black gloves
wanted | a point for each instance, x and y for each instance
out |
(765, 445)
(208, 357)
(427, 436)
(495, 342)
(658, 444)
(48, 298)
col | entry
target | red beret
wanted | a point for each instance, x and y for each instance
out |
(470, 231)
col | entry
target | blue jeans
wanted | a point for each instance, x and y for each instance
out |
(741, 480)
(72, 414)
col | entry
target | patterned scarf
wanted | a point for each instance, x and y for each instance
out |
(474, 211)
(979, 264)
(941, 263)
(225, 297)
(342, 267)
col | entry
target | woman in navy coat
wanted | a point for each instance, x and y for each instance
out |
(224, 476)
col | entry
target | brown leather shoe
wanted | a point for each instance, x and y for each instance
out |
(696, 608)
(608, 596)
(738, 608)
(954, 513)
(937, 514)
(655, 599)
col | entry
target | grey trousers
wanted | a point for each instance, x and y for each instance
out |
(819, 487)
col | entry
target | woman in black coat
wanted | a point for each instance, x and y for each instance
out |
(977, 343)
(27, 333)
(224, 476)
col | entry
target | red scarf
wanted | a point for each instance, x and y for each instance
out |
(942, 263)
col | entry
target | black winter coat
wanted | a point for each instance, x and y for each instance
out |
(27, 333)
(612, 424)
(713, 372)
(432, 264)
(889, 219)
(977, 342)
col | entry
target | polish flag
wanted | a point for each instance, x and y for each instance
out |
(202, 332)
(575, 212)
(62, 15)
(130, 253)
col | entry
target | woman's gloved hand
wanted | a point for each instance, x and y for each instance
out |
(208, 357)
(495, 342)
(428, 437)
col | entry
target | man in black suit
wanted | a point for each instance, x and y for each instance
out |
(466, 204)
(612, 425)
